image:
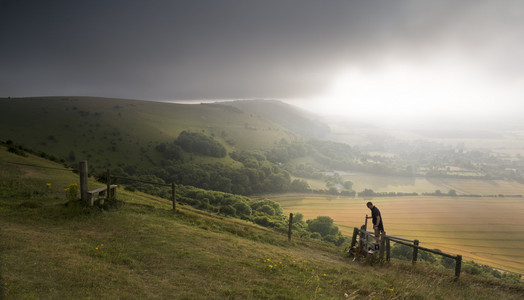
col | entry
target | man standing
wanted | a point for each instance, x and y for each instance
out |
(378, 223)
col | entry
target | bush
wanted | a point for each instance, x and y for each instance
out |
(323, 225)
(315, 235)
(264, 221)
(242, 208)
(228, 210)
(268, 210)
(195, 142)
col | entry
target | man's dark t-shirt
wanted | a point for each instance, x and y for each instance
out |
(376, 213)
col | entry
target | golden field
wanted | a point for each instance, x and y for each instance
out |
(487, 230)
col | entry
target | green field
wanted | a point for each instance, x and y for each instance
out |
(487, 230)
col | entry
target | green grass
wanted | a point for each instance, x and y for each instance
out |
(52, 249)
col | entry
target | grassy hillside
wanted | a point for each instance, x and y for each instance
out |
(56, 249)
(117, 132)
(292, 118)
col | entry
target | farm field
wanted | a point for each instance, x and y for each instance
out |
(487, 230)
(380, 183)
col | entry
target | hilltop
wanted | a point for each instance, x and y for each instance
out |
(55, 248)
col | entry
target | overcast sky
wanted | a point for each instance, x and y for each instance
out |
(403, 58)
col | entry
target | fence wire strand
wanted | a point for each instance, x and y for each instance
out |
(37, 166)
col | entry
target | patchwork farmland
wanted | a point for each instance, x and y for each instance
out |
(487, 230)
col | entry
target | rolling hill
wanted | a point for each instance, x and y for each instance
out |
(57, 249)
(119, 132)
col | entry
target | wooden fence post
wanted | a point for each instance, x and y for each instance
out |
(415, 251)
(82, 166)
(382, 245)
(354, 238)
(108, 190)
(388, 249)
(290, 226)
(361, 239)
(458, 265)
(173, 195)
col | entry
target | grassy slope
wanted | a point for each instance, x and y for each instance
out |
(120, 131)
(145, 250)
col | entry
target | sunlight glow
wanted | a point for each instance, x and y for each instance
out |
(402, 90)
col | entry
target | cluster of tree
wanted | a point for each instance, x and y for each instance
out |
(406, 253)
(195, 142)
(323, 228)
(331, 155)
(15, 149)
(256, 175)
(22, 151)
(371, 193)
(472, 267)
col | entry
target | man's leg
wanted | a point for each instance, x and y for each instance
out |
(377, 235)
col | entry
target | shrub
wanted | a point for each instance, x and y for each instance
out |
(200, 143)
(72, 192)
(228, 210)
(242, 208)
(268, 210)
(264, 221)
(323, 225)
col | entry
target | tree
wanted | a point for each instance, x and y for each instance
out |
(228, 210)
(242, 209)
(200, 143)
(299, 185)
(323, 225)
(348, 185)
(298, 217)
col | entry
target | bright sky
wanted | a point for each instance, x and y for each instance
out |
(361, 58)
(406, 90)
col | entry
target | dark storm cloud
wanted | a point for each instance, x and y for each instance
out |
(238, 49)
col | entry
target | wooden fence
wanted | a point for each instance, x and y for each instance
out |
(367, 239)
(101, 194)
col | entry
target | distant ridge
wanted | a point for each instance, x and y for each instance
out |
(285, 115)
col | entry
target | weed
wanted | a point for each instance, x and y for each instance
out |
(72, 192)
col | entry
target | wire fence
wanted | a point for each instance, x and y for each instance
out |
(37, 166)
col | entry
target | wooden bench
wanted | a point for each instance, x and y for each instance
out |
(100, 194)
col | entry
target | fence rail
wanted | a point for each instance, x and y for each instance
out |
(385, 240)
(140, 180)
